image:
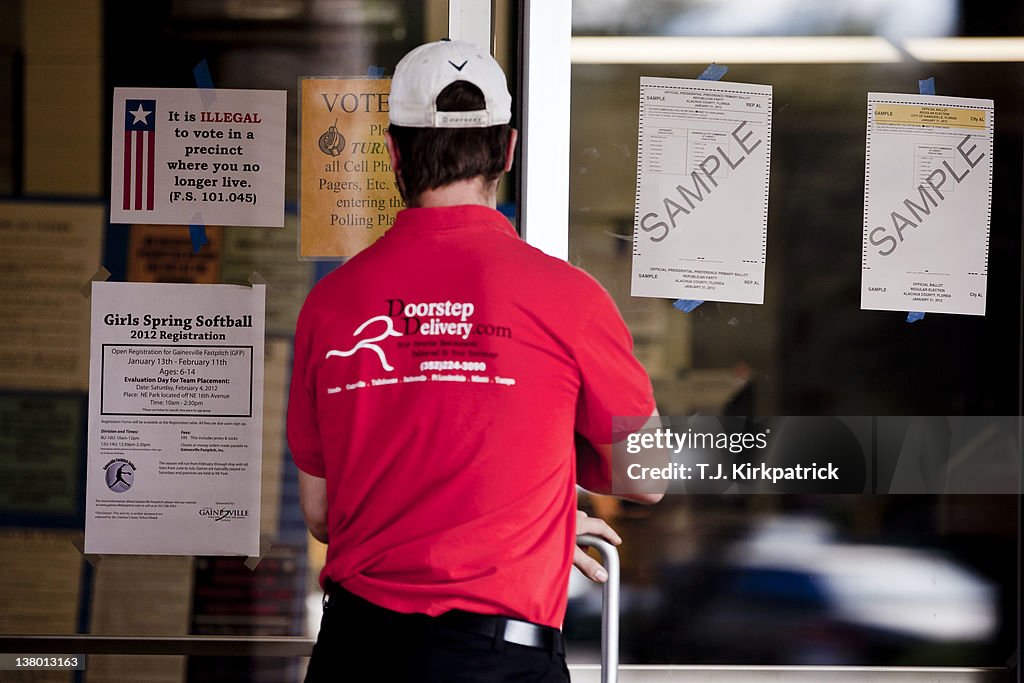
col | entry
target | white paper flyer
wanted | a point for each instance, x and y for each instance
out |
(927, 204)
(700, 225)
(175, 419)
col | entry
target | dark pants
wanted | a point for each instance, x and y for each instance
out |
(360, 641)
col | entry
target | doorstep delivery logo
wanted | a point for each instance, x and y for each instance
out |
(423, 319)
(370, 343)
(441, 319)
(434, 318)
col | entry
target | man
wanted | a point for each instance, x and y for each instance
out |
(444, 377)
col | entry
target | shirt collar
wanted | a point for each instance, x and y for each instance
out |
(445, 218)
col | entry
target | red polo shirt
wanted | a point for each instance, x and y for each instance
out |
(439, 378)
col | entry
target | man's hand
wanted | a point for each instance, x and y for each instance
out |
(590, 567)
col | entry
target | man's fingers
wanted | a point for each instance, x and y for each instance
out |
(597, 527)
(590, 567)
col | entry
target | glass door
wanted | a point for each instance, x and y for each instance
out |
(839, 576)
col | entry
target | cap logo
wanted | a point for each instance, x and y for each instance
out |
(461, 119)
(458, 67)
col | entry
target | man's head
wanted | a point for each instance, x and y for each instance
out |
(449, 110)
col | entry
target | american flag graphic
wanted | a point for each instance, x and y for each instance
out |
(139, 136)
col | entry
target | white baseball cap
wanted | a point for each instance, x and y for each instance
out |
(423, 73)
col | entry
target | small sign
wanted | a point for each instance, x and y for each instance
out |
(348, 197)
(190, 156)
(701, 222)
(927, 204)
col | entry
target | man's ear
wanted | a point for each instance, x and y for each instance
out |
(392, 151)
(510, 152)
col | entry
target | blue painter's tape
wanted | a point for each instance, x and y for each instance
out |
(686, 305)
(201, 72)
(323, 268)
(713, 73)
(197, 233)
(914, 316)
(925, 86)
(375, 71)
(204, 81)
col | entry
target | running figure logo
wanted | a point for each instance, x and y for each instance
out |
(371, 342)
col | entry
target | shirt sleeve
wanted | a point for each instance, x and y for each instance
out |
(303, 428)
(613, 383)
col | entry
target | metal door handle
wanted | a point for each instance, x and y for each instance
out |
(609, 606)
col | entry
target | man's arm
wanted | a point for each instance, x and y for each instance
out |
(594, 470)
(313, 500)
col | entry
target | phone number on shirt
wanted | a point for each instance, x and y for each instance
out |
(464, 365)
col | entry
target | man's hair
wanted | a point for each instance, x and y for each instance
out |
(435, 157)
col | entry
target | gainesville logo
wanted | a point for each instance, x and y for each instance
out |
(119, 475)
(221, 514)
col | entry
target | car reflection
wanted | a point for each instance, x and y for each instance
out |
(789, 592)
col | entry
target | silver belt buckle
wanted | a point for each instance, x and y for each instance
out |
(523, 633)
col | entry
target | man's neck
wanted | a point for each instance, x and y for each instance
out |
(461, 192)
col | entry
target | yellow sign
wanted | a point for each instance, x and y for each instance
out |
(944, 117)
(164, 253)
(347, 192)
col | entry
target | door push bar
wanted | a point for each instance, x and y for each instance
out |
(609, 606)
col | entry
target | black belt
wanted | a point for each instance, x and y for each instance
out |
(504, 628)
